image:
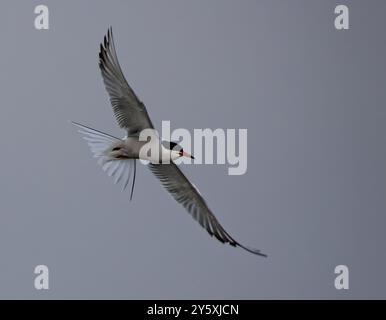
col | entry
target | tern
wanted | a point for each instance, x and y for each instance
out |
(118, 157)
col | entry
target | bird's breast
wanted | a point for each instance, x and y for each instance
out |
(152, 151)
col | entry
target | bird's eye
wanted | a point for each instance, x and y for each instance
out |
(181, 153)
(116, 149)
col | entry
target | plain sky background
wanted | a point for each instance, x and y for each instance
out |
(312, 98)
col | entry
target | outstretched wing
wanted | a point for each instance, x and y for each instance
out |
(184, 192)
(129, 111)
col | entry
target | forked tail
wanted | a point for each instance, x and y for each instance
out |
(100, 143)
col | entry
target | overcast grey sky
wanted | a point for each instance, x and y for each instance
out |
(311, 97)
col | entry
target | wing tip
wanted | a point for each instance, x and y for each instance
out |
(249, 249)
(229, 240)
(254, 251)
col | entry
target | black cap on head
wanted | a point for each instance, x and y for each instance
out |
(170, 145)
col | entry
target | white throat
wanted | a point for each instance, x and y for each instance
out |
(158, 153)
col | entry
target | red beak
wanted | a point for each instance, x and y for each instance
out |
(185, 154)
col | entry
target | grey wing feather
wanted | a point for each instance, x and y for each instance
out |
(130, 112)
(184, 192)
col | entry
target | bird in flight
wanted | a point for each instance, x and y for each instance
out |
(118, 157)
